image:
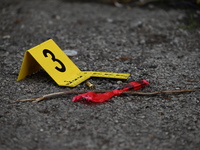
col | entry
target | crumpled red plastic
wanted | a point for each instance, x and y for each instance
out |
(99, 98)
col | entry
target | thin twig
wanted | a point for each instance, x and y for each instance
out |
(51, 95)
(160, 92)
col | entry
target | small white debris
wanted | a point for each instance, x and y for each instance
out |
(109, 20)
(70, 52)
(6, 37)
(119, 82)
(118, 4)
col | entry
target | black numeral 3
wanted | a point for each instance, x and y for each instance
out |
(53, 58)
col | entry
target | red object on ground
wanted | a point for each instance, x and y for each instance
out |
(99, 98)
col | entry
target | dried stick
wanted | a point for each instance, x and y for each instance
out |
(51, 95)
(160, 92)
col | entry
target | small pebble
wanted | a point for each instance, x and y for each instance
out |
(70, 52)
(6, 37)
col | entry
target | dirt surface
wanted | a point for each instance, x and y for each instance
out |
(148, 42)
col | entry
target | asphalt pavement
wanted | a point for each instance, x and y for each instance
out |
(156, 43)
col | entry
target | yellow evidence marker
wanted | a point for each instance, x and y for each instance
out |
(58, 65)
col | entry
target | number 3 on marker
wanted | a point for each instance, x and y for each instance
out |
(53, 58)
